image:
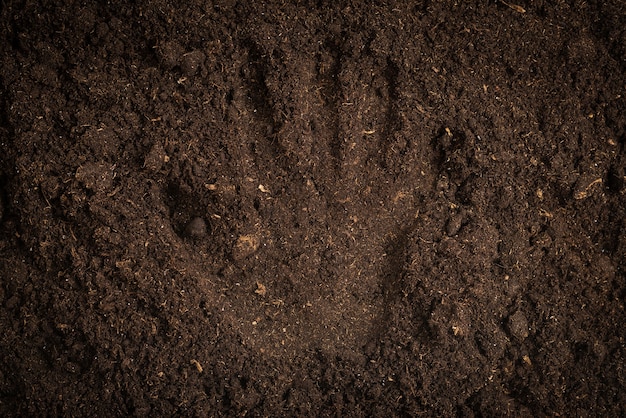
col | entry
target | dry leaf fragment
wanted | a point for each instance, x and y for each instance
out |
(245, 246)
(261, 289)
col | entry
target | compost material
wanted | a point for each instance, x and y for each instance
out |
(312, 208)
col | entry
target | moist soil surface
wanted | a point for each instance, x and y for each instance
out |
(313, 208)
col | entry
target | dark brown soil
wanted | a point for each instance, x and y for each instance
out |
(313, 208)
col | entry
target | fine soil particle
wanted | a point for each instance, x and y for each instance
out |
(312, 208)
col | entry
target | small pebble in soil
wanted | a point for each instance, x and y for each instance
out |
(454, 224)
(518, 325)
(196, 228)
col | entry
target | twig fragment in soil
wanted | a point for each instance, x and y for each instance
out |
(582, 192)
(515, 7)
(197, 364)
